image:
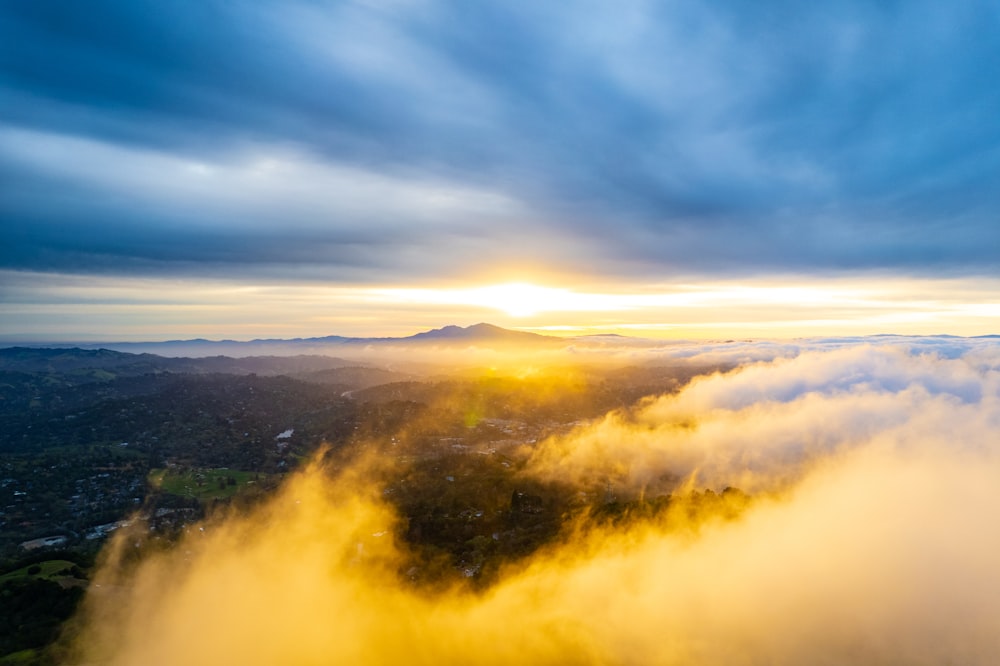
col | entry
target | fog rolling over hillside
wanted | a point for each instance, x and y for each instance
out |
(869, 537)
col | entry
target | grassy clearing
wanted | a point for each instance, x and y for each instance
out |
(204, 484)
(53, 570)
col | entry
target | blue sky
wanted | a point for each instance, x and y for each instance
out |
(627, 146)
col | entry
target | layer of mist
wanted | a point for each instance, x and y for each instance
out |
(871, 538)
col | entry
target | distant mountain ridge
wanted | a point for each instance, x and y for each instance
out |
(103, 363)
(481, 334)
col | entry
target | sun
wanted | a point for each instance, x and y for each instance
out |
(519, 299)
(515, 299)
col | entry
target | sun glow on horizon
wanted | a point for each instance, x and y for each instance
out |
(517, 299)
(156, 309)
(521, 299)
(722, 308)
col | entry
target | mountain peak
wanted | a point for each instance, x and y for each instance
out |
(481, 331)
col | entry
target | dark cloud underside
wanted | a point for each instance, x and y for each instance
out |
(679, 136)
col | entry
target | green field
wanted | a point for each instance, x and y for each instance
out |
(36, 599)
(49, 570)
(204, 484)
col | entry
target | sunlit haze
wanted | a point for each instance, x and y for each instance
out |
(869, 535)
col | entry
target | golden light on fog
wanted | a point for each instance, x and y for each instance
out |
(869, 539)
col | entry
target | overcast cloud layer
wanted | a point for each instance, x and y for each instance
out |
(376, 140)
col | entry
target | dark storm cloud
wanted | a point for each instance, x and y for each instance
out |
(647, 137)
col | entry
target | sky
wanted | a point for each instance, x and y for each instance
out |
(380, 167)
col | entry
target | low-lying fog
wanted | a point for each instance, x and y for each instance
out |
(872, 538)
